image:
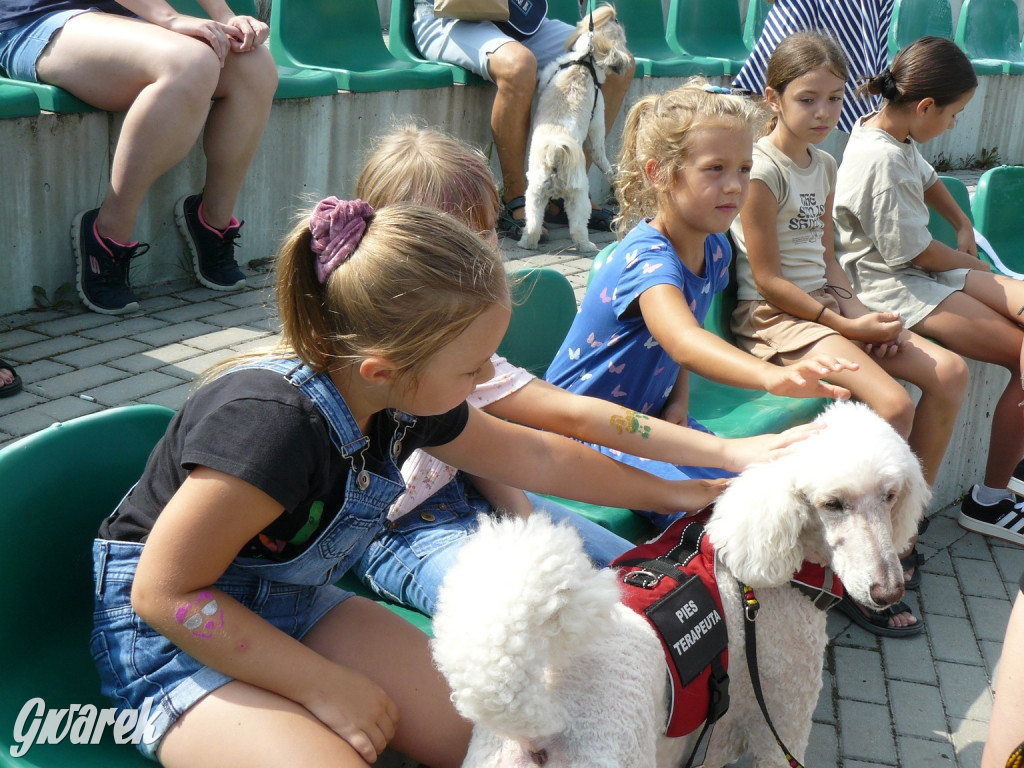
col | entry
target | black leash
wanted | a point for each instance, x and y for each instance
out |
(750, 638)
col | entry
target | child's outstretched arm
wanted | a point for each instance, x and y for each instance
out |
(670, 321)
(594, 420)
(544, 462)
(197, 535)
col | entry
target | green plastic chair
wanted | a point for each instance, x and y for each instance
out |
(292, 82)
(912, 19)
(344, 38)
(989, 33)
(708, 29)
(564, 10)
(51, 98)
(403, 45)
(544, 308)
(757, 12)
(645, 35)
(941, 229)
(58, 484)
(16, 101)
(998, 209)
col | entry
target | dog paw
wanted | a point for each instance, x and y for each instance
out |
(587, 247)
(529, 243)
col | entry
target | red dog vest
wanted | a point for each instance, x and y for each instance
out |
(670, 581)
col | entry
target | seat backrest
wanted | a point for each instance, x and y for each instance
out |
(706, 28)
(989, 29)
(544, 305)
(912, 19)
(58, 485)
(328, 33)
(941, 229)
(998, 209)
(645, 28)
(567, 10)
(757, 12)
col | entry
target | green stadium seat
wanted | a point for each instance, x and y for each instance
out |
(912, 19)
(292, 82)
(645, 35)
(344, 38)
(58, 484)
(757, 12)
(16, 101)
(989, 33)
(403, 45)
(707, 29)
(544, 306)
(998, 209)
(564, 10)
(51, 98)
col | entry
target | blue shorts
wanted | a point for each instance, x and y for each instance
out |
(467, 44)
(21, 47)
(135, 662)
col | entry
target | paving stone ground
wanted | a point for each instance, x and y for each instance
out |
(922, 701)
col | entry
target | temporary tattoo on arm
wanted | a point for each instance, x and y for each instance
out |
(202, 616)
(631, 422)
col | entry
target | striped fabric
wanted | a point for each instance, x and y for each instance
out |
(860, 26)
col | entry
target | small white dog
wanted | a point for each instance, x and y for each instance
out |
(570, 110)
(553, 670)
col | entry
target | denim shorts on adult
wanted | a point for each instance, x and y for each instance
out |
(21, 47)
(135, 662)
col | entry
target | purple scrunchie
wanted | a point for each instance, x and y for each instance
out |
(337, 227)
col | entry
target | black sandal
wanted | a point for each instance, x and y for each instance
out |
(914, 560)
(14, 386)
(513, 226)
(600, 218)
(877, 622)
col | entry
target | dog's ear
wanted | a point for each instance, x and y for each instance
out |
(757, 523)
(911, 503)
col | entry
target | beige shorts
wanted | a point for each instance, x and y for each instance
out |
(764, 330)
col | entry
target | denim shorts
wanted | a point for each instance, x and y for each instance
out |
(21, 47)
(135, 662)
(467, 44)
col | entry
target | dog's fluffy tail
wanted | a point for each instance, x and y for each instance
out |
(520, 598)
(561, 157)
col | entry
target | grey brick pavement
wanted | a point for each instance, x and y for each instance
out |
(923, 701)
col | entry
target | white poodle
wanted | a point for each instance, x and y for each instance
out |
(552, 669)
(570, 111)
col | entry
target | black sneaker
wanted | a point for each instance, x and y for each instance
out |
(213, 251)
(1016, 483)
(101, 267)
(1004, 519)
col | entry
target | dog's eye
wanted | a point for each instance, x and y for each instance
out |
(833, 505)
(890, 497)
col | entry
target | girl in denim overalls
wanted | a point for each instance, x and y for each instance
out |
(214, 577)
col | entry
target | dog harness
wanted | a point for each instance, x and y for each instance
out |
(670, 581)
(587, 63)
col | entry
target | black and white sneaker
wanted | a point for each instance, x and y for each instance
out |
(101, 267)
(1016, 483)
(1003, 520)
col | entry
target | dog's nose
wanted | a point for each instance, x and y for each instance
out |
(886, 594)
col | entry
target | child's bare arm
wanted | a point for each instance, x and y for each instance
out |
(593, 420)
(200, 531)
(673, 325)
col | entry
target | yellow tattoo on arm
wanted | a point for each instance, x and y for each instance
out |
(629, 421)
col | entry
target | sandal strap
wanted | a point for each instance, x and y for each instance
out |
(514, 203)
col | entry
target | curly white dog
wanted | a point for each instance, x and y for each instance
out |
(552, 669)
(570, 110)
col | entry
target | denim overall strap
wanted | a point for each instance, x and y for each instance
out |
(368, 495)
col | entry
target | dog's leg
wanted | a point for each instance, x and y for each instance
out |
(577, 208)
(535, 203)
(595, 137)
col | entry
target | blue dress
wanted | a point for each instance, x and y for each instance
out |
(609, 352)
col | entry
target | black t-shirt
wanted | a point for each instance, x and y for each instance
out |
(15, 13)
(255, 426)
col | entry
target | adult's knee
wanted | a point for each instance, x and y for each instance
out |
(252, 74)
(192, 70)
(513, 67)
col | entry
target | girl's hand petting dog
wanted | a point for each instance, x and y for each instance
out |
(741, 452)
